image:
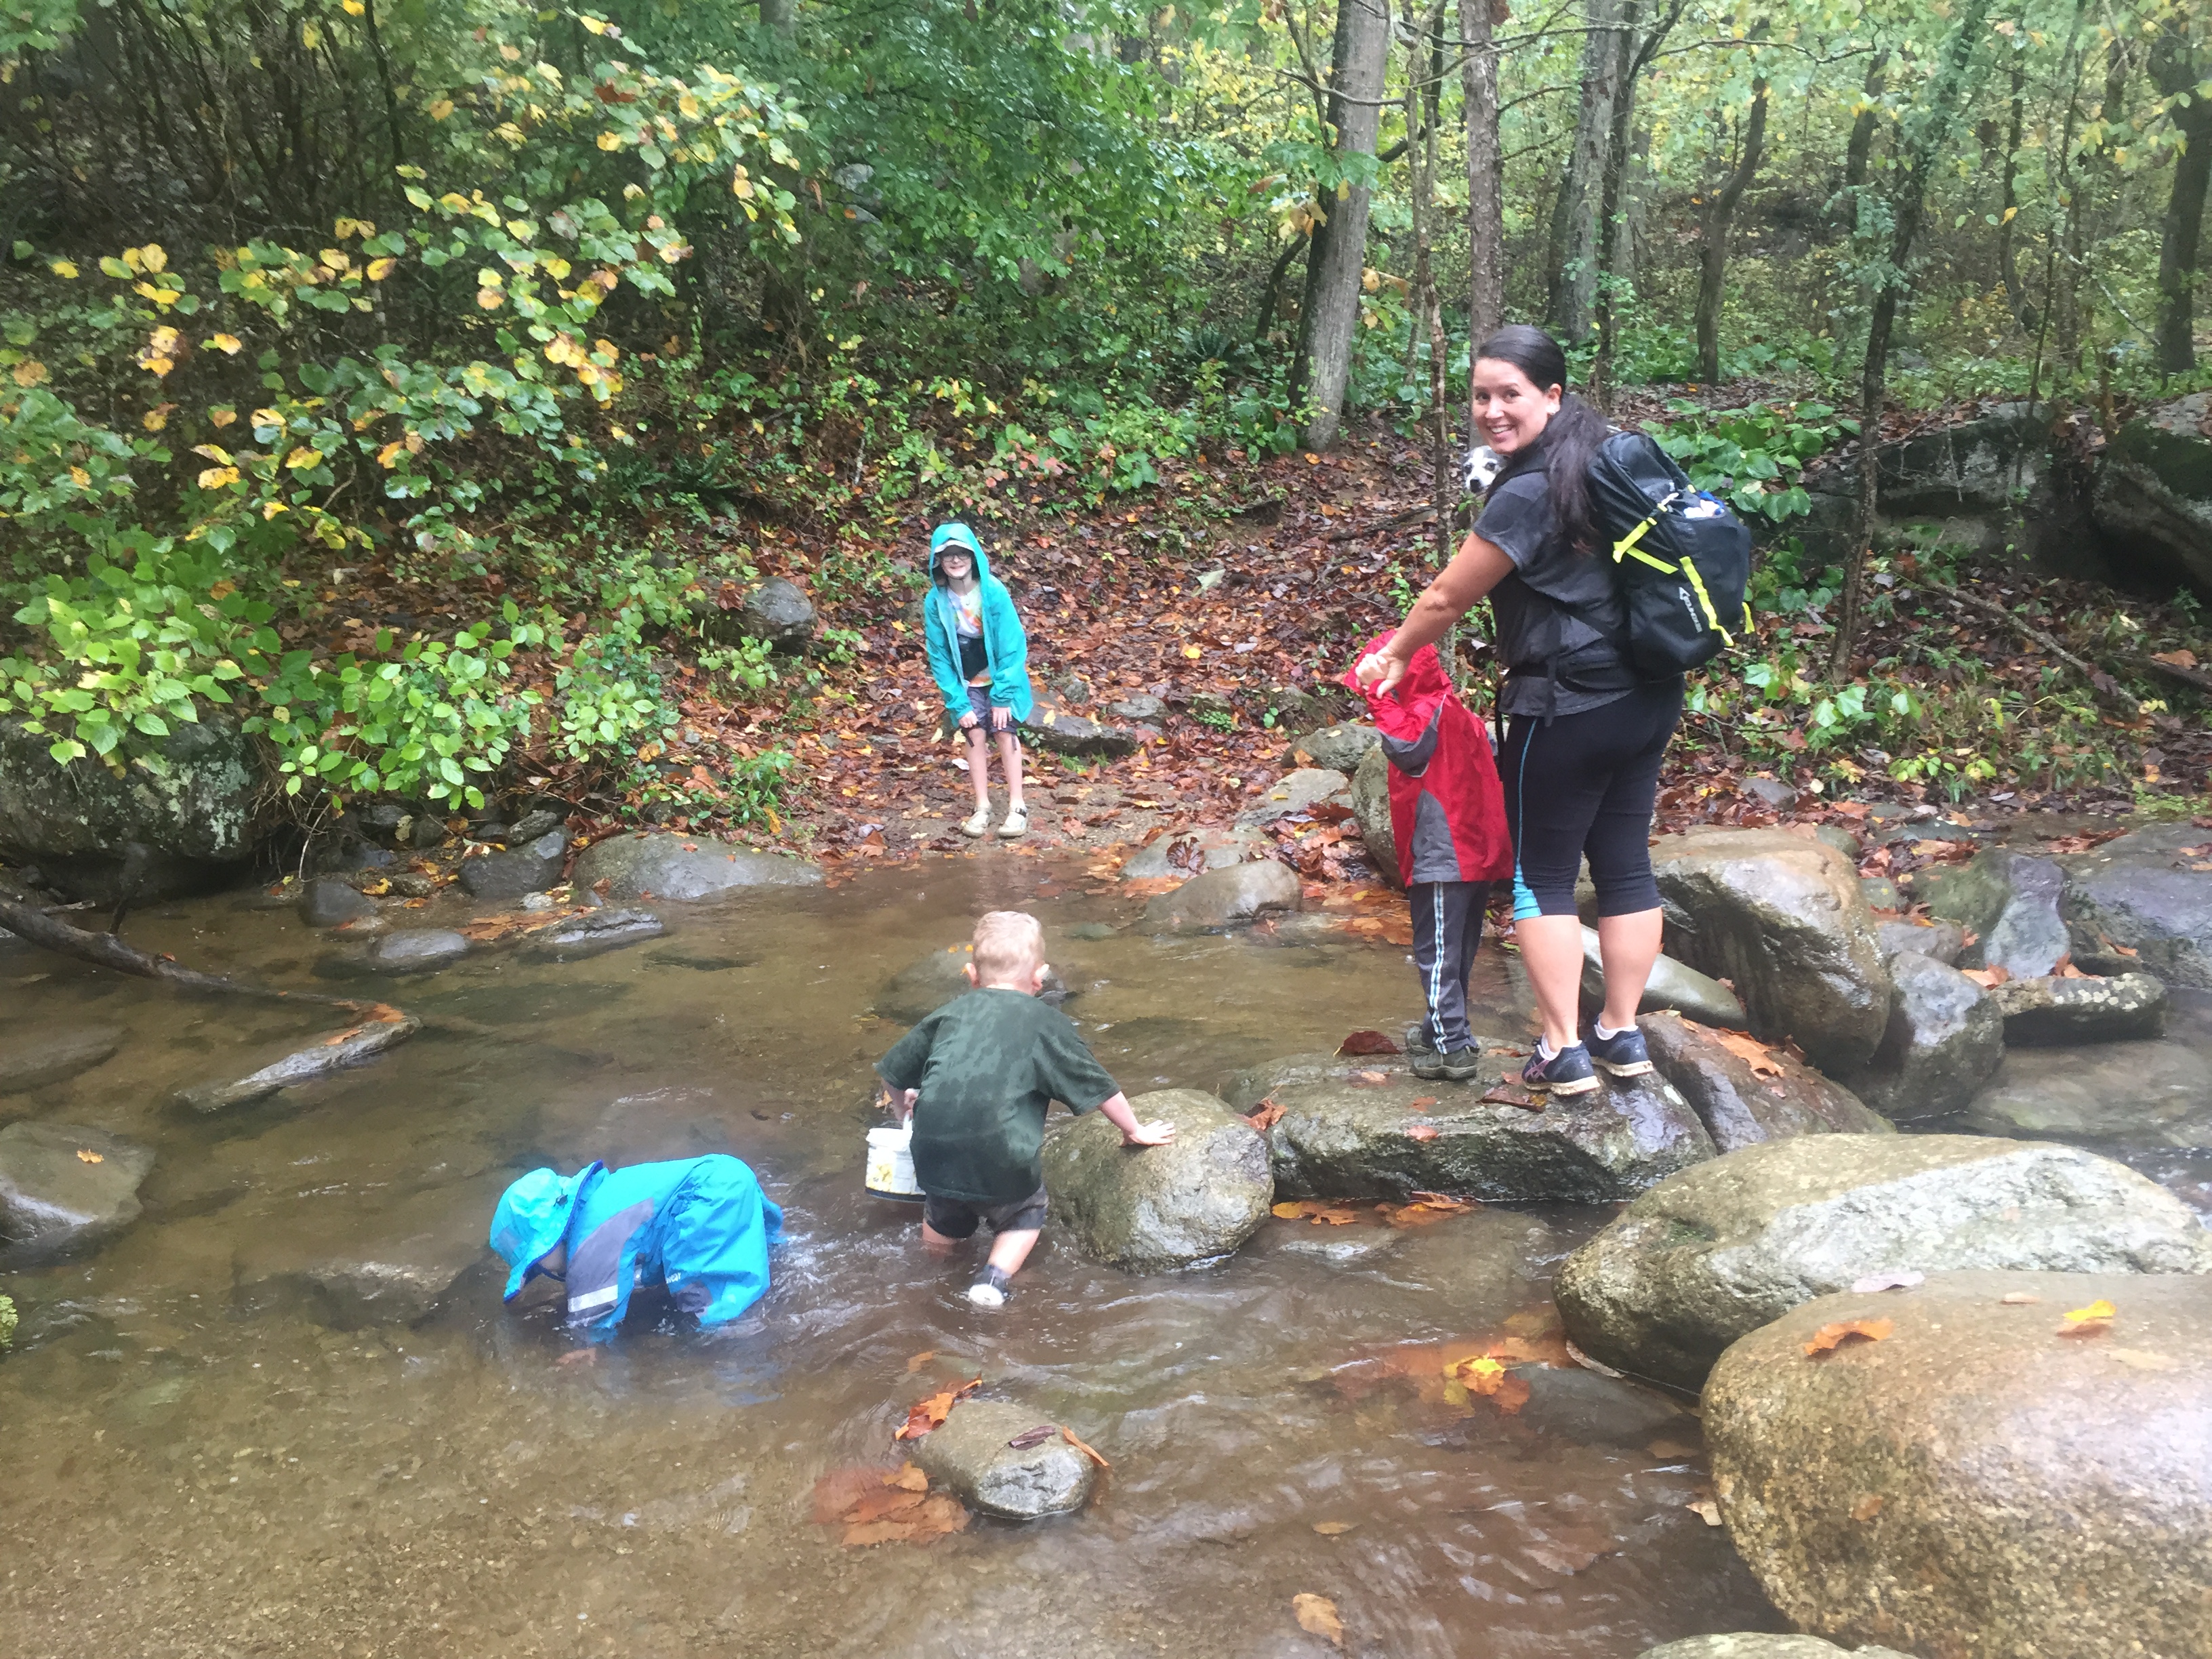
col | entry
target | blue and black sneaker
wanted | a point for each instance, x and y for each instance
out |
(1622, 1054)
(1567, 1073)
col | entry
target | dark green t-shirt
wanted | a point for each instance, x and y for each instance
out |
(989, 1065)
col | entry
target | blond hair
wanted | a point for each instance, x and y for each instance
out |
(1009, 945)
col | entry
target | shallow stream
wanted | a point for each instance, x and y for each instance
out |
(218, 1440)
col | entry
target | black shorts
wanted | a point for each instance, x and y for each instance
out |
(954, 1217)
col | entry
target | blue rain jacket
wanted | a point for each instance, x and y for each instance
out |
(1006, 648)
(700, 1225)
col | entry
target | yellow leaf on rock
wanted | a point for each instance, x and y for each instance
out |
(86, 1156)
(2100, 1308)
(1317, 1616)
(1331, 1528)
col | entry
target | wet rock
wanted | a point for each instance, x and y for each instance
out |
(1174, 852)
(776, 611)
(1599, 1411)
(2132, 902)
(1222, 898)
(1343, 1136)
(35, 1058)
(541, 821)
(1151, 1209)
(393, 1263)
(1835, 835)
(1974, 1482)
(594, 933)
(2010, 902)
(1771, 793)
(2129, 1094)
(1722, 1250)
(1751, 1645)
(668, 866)
(1672, 986)
(1945, 1035)
(527, 869)
(930, 982)
(1060, 732)
(63, 1186)
(342, 849)
(193, 810)
(1370, 809)
(2152, 500)
(413, 883)
(1780, 917)
(415, 951)
(327, 903)
(1881, 893)
(383, 819)
(1940, 943)
(1339, 748)
(1143, 708)
(1740, 1107)
(2042, 1011)
(320, 1059)
(1294, 792)
(426, 831)
(968, 1455)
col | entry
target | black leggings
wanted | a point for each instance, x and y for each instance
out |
(1584, 784)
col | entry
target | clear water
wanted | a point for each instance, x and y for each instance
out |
(213, 1444)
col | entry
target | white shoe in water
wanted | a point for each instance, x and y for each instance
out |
(989, 1291)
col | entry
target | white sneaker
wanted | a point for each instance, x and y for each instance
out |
(977, 822)
(1017, 824)
(989, 1291)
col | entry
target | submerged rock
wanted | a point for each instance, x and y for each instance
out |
(1174, 852)
(1293, 793)
(659, 865)
(928, 983)
(1741, 1106)
(1672, 986)
(63, 1186)
(394, 1265)
(1223, 898)
(31, 1059)
(2129, 1094)
(1149, 1209)
(1370, 809)
(1945, 1037)
(968, 1455)
(1341, 1135)
(2010, 902)
(594, 932)
(1974, 1482)
(529, 868)
(1722, 1250)
(327, 903)
(335, 1053)
(1780, 917)
(1338, 748)
(415, 951)
(2081, 1010)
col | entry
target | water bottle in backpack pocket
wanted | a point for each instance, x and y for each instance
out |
(1681, 559)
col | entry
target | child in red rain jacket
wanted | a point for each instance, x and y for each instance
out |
(1448, 818)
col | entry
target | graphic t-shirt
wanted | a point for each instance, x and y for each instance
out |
(968, 631)
(989, 1065)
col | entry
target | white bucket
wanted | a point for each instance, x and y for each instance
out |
(891, 1164)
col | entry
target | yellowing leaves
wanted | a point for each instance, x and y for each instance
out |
(302, 457)
(741, 185)
(223, 418)
(490, 297)
(440, 108)
(611, 141)
(229, 344)
(28, 373)
(217, 477)
(352, 7)
(63, 267)
(159, 355)
(381, 269)
(2093, 1321)
(156, 417)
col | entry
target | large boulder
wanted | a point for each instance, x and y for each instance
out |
(530, 868)
(2085, 1010)
(1207, 847)
(776, 611)
(35, 1058)
(1352, 1129)
(971, 1456)
(184, 818)
(1722, 1250)
(1149, 1209)
(1671, 987)
(1223, 898)
(1945, 1037)
(2120, 1094)
(1743, 1102)
(63, 1186)
(2010, 902)
(1294, 791)
(1981, 465)
(2134, 902)
(1780, 917)
(1975, 1481)
(1340, 748)
(2151, 499)
(643, 867)
(1370, 809)
(930, 982)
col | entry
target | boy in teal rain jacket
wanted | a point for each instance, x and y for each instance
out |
(978, 656)
(701, 1226)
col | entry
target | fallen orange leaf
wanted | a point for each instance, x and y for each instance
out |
(919, 1361)
(1867, 1507)
(2093, 1321)
(930, 1413)
(86, 1156)
(1829, 1338)
(1089, 1451)
(1317, 1616)
(1748, 1049)
(1331, 1528)
(1368, 1043)
(907, 1477)
(1266, 1115)
(1422, 1132)
(1312, 1210)
(1421, 1104)
(1512, 1094)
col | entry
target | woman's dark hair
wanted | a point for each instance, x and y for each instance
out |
(1569, 439)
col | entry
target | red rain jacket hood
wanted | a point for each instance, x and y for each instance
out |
(1447, 807)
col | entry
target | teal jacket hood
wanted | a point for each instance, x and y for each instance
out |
(959, 537)
(1006, 647)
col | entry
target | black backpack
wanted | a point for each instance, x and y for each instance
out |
(1682, 559)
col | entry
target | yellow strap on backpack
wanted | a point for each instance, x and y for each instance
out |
(1705, 598)
(1625, 547)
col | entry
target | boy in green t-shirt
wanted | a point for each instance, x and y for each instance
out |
(978, 1076)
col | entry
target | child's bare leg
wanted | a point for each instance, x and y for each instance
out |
(1010, 762)
(979, 766)
(1010, 1251)
(936, 1242)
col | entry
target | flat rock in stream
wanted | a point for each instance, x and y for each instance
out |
(1294, 791)
(644, 866)
(929, 981)
(1751, 1645)
(37, 1059)
(596, 931)
(1224, 898)
(414, 951)
(1339, 748)
(325, 902)
(63, 1186)
(2121, 1094)
(2086, 1010)
(2136, 903)
(1152, 1209)
(1722, 1250)
(1741, 1106)
(968, 1455)
(319, 1059)
(1206, 847)
(1349, 1129)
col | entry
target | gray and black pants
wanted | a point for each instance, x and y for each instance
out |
(1447, 927)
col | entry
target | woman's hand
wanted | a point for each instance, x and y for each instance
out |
(1381, 671)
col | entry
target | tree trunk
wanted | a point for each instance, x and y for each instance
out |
(2174, 67)
(1334, 268)
(782, 15)
(1858, 153)
(1921, 142)
(1574, 248)
(1632, 57)
(1331, 116)
(1423, 119)
(1486, 187)
(2008, 209)
(1720, 216)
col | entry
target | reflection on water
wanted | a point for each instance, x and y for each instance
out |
(245, 1427)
